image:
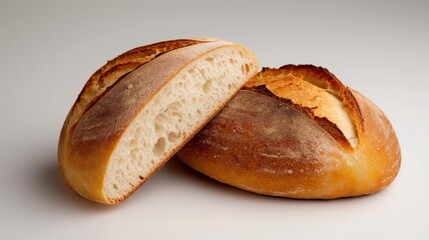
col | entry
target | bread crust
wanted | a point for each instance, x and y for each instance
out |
(100, 116)
(264, 143)
(114, 69)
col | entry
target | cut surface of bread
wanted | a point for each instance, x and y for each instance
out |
(126, 129)
(298, 132)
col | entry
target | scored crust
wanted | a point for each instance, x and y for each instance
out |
(304, 86)
(265, 142)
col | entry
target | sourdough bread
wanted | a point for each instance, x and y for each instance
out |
(298, 132)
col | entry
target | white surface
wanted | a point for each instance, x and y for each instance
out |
(48, 50)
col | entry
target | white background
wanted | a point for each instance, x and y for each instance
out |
(49, 49)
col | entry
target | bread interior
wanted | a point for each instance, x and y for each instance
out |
(173, 115)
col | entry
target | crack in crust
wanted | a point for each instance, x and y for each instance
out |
(265, 83)
(330, 127)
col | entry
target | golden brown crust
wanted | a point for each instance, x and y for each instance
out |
(265, 144)
(380, 147)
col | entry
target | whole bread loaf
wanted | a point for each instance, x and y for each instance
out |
(140, 108)
(298, 132)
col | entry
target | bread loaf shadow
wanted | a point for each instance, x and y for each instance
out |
(48, 181)
(179, 170)
(61, 198)
(54, 190)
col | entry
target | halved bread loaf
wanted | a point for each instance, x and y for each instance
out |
(298, 132)
(141, 107)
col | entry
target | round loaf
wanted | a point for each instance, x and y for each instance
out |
(298, 132)
(136, 111)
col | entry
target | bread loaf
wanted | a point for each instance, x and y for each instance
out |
(298, 132)
(136, 111)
